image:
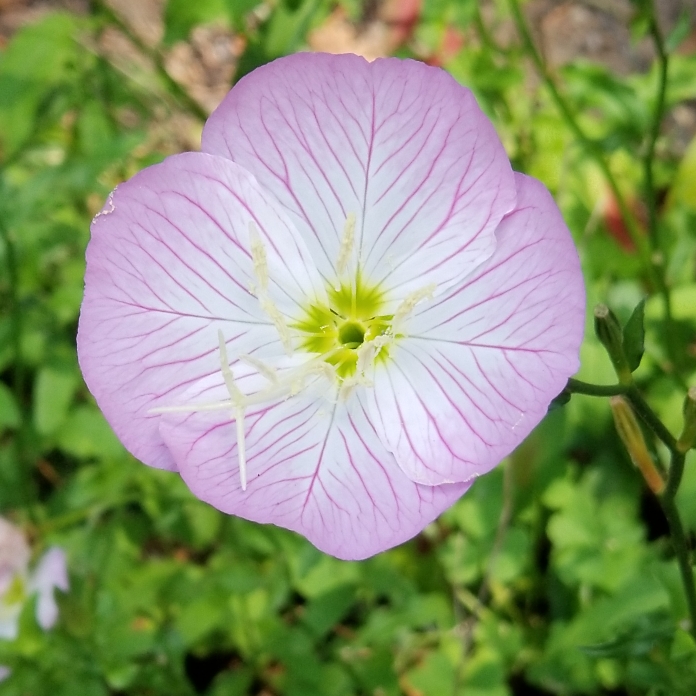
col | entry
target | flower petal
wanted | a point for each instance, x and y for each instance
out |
(480, 365)
(9, 620)
(14, 553)
(314, 466)
(5, 672)
(169, 264)
(50, 573)
(398, 143)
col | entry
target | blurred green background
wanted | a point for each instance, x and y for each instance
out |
(554, 575)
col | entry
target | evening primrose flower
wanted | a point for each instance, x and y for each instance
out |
(18, 584)
(341, 312)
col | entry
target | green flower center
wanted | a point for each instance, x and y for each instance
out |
(352, 317)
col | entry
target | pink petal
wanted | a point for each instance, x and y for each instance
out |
(315, 466)
(398, 143)
(481, 364)
(168, 265)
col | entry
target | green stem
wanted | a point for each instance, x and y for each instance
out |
(590, 145)
(650, 418)
(484, 34)
(73, 517)
(658, 115)
(23, 436)
(674, 477)
(14, 311)
(667, 499)
(179, 93)
(575, 386)
(681, 549)
(652, 262)
(649, 192)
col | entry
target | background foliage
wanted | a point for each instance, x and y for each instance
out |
(554, 575)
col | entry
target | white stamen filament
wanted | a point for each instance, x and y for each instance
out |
(290, 384)
(258, 256)
(260, 260)
(237, 398)
(345, 251)
(273, 313)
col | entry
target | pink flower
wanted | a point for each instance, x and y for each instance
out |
(341, 312)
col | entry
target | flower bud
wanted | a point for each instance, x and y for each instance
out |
(688, 437)
(632, 436)
(610, 334)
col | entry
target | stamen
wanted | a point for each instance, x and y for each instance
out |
(346, 249)
(276, 317)
(237, 398)
(260, 366)
(410, 302)
(260, 259)
(193, 408)
(258, 256)
(293, 381)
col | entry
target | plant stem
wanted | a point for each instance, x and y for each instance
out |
(23, 437)
(668, 502)
(649, 188)
(650, 418)
(658, 114)
(575, 386)
(669, 506)
(179, 93)
(652, 262)
(590, 145)
(14, 311)
(674, 477)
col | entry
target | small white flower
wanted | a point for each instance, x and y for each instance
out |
(17, 583)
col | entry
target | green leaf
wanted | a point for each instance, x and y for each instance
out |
(683, 645)
(679, 32)
(180, 16)
(434, 675)
(10, 416)
(234, 682)
(636, 638)
(39, 58)
(634, 336)
(288, 28)
(53, 391)
(87, 434)
(326, 610)
(238, 11)
(683, 189)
